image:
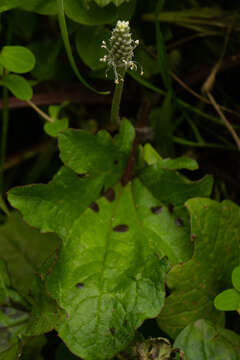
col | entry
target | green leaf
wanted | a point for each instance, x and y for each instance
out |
(48, 7)
(54, 207)
(54, 128)
(236, 278)
(17, 59)
(18, 86)
(205, 341)
(97, 155)
(95, 15)
(150, 155)
(228, 300)
(24, 249)
(107, 277)
(171, 188)
(177, 164)
(215, 230)
(39, 6)
(88, 43)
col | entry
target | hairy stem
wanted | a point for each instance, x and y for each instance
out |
(115, 117)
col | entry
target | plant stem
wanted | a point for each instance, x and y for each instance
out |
(39, 111)
(4, 135)
(115, 118)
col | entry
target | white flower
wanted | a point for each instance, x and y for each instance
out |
(120, 51)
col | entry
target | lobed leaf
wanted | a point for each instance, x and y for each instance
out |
(216, 231)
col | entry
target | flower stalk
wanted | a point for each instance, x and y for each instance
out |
(119, 57)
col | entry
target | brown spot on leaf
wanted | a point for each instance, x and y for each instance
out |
(179, 222)
(156, 209)
(170, 208)
(116, 162)
(121, 228)
(79, 285)
(81, 175)
(94, 206)
(109, 194)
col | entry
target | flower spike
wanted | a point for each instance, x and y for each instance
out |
(120, 51)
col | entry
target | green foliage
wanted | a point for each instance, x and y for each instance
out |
(19, 86)
(194, 284)
(94, 15)
(129, 244)
(88, 44)
(229, 300)
(203, 340)
(57, 125)
(39, 6)
(114, 241)
(24, 249)
(25, 59)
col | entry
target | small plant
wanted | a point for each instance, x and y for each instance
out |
(229, 300)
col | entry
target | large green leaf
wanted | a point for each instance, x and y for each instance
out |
(205, 341)
(24, 249)
(111, 258)
(194, 284)
(17, 59)
(91, 14)
(109, 276)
